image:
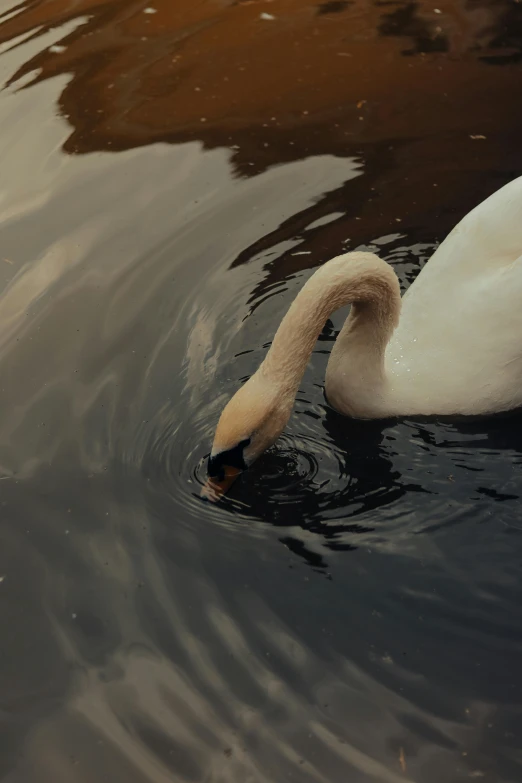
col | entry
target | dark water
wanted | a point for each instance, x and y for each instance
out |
(353, 611)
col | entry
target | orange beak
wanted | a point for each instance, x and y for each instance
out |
(214, 489)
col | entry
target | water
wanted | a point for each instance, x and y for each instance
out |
(352, 611)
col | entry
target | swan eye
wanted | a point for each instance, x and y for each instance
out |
(231, 458)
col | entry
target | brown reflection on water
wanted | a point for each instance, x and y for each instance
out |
(160, 72)
(402, 85)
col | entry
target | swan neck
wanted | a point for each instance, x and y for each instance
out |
(361, 279)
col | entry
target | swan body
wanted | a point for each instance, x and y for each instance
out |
(452, 345)
(457, 348)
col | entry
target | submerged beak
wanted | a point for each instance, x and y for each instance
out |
(215, 487)
(223, 469)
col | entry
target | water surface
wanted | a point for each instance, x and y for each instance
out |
(171, 175)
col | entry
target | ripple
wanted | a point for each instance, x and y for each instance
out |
(338, 479)
(326, 473)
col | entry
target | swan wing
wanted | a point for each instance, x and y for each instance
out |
(458, 346)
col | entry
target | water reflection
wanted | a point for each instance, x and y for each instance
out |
(406, 22)
(170, 179)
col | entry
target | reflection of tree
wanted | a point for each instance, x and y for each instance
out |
(313, 81)
(333, 7)
(505, 38)
(328, 80)
(406, 22)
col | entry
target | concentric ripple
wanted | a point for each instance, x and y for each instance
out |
(326, 473)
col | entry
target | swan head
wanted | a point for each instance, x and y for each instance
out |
(250, 423)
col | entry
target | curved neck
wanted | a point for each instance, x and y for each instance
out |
(360, 279)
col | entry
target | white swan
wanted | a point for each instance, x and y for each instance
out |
(452, 345)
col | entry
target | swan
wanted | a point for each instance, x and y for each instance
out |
(452, 345)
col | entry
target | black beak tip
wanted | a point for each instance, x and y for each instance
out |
(215, 469)
(233, 458)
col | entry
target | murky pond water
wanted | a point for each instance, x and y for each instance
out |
(171, 174)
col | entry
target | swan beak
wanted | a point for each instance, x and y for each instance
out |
(224, 466)
(215, 488)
